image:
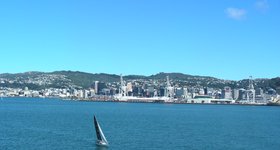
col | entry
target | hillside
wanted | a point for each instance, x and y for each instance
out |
(59, 79)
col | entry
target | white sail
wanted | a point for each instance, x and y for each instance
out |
(101, 139)
(102, 134)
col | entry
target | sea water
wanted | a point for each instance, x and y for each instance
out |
(47, 124)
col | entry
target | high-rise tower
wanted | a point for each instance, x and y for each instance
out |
(251, 93)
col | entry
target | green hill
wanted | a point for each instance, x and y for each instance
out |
(77, 79)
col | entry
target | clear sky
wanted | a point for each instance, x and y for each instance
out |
(228, 39)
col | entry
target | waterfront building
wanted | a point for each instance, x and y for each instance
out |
(241, 94)
(205, 91)
(105, 91)
(259, 92)
(210, 92)
(179, 93)
(209, 99)
(101, 86)
(92, 92)
(76, 93)
(80, 94)
(186, 93)
(161, 91)
(235, 94)
(250, 93)
(226, 93)
(248, 96)
(86, 93)
(129, 87)
(155, 93)
(201, 91)
(96, 87)
(27, 93)
(169, 90)
(136, 91)
(192, 92)
(34, 94)
(150, 91)
(113, 91)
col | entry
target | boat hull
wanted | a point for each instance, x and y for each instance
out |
(100, 143)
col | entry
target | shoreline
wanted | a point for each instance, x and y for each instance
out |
(116, 101)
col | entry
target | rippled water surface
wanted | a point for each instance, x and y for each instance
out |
(30, 123)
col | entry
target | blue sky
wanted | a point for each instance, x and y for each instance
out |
(229, 39)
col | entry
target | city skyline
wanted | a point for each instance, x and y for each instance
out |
(229, 40)
(160, 88)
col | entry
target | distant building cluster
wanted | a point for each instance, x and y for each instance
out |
(42, 79)
(146, 90)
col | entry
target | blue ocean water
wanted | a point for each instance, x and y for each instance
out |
(30, 123)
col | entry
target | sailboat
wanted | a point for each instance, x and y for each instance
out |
(101, 140)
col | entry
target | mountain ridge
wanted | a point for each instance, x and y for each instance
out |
(165, 73)
(68, 78)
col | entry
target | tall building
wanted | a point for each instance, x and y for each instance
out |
(86, 93)
(201, 91)
(251, 93)
(129, 87)
(150, 91)
(226, 93)
(101, 86)
(241, 94)
(259, 91)
(205, 91)
(169, 90)
(161, 91)
(186, 93)
(92, 92)
(235, 94)
(96, 87)
(80, 94)
(179, 93)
